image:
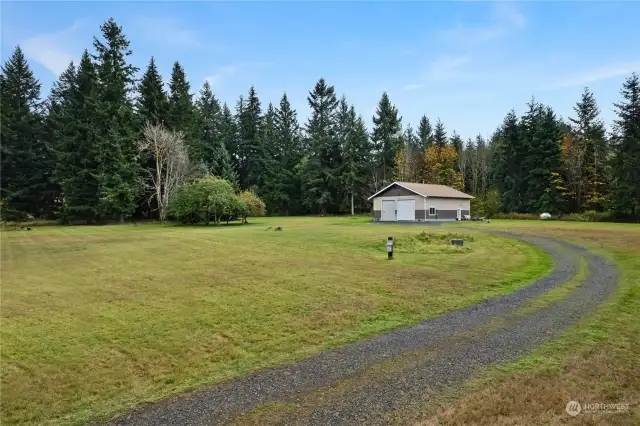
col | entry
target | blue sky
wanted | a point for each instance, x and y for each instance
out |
(467, 63)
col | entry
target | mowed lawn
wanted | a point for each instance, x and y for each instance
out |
(96, 320)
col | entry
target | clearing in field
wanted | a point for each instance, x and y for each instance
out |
(99, 319)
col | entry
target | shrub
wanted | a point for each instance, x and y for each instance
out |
(487, 204)
(213, 199)
(204, 200)
(518, 216)
(249, 204)
(589, 216)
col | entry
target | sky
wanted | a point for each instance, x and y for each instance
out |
(467, 63)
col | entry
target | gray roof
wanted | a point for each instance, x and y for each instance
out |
(428, 190)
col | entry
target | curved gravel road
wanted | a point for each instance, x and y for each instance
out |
(363, 381)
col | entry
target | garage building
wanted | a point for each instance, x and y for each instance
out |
(419, 202)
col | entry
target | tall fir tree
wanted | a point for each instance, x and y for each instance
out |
(210, 126)
(74, 112)
(152, 105)
(249, 150)
(507, 164)
(626, 160)
(589, 155)
(542, 137)
(269, 187)
(386, 137)
(27, 185)
(182, 112)
(439, 135)
(456, 142)
(287, 151)
(425, 132)
(116, 124)
(320, 173)
(357, 161)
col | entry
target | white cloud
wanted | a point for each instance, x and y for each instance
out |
(505, 19)
(410, 87)
(220, 74)
(446, 66)
(55, 50)
(168, 31)
(230, 70)
(598, 74)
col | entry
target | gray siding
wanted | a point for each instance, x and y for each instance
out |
(377, 214)
(396, 191)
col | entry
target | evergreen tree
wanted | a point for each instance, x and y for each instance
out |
(456, 142)
(356, 157)
(439, 135)
(541, 133)
(507, 164)
(152, 105)
(210, 125)
(320, 172)
(116, 124)
(74, 113)
(249, 150)
(425, 133)
(589, 154)
(386, 137)
(287, 151)
(626, 160)
(182, 113)
(270, 188)
(26, 175)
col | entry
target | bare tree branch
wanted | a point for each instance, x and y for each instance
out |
(172, 165)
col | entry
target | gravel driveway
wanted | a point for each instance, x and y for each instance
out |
(363, 381)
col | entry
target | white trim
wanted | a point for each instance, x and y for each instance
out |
(396, 183)
(435, 211)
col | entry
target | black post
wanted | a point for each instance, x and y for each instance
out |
(390, 248)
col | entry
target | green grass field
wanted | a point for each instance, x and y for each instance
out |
(96, 320)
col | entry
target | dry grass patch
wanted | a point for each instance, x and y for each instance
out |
(594, 362)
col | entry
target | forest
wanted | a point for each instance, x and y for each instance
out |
(82, 154)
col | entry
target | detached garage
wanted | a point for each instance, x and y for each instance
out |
(419, 202)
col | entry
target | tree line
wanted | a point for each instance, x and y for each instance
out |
(77, 155)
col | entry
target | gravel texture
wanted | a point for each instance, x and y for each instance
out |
(346, 385)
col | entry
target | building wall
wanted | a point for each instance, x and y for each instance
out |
(449, 203)
(446, 208)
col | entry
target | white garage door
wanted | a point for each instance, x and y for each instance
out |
(388, 211)
(406, 210)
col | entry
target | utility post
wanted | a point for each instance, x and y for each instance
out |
(390, 248)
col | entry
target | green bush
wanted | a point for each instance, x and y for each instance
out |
(211, 199)
(518, 216)
(250, 205)
(590, 216)
(486, 205)
(205, 200)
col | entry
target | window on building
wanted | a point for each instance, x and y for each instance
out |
(432, 211)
